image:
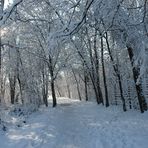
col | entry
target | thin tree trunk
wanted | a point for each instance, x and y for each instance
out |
(45, 97)
(121, 92)
(104, 74)
(78, 89)
(68, 89)
(53, 94)
(136, 74)
(46, 92)
(1, 77)
(21, 88)
(96, 85)
(90, 54)
(97, 90)
(129, 96)
(12, 82)
(85, 82)
(115, 67)
(0, 51)
(96, 57)
(45, 88)
(52, 82)
(21, 83)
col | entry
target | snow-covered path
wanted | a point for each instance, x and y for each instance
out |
(77, 124)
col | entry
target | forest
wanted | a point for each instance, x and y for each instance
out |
(64, 54)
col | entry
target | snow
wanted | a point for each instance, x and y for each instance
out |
(75, 124)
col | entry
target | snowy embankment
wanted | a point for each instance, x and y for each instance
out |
(75, 124)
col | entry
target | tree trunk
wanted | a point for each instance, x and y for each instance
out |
(90, 54)
(116, 103)
(136, 74)
(52, 82)
(121, 92)
(12, 81)
(95, 82)
(104, 74)
(20, 68)
(78, 89)
(45, 87)
(1, 77)
(129, 96)
(0, 52)
(97, 77)
(85, 83)
(46, 93)
(115, 67)
(68, 89)
(45, 97)
(53, 94)
(21, 88)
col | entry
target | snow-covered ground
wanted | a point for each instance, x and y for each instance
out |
(75, 124)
